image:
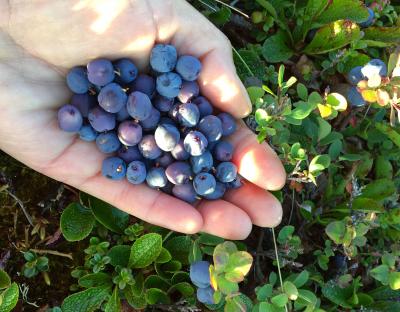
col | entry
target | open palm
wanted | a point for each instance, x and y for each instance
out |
(40, 40)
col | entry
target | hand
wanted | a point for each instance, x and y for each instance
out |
(40, 40)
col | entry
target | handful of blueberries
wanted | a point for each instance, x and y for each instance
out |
(155, 128)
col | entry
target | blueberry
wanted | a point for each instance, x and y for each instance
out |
(228, 123)
(136, 172)
(204, 106)
(189, 90)
(126, 70)
(200, 273)
(129, 133)
(156, 178)
(202, 163)
(123, 114)
(355, 75)
(108, 142)
(188, 114)
(235, 184)
(374, 67)
(151, 122)
(218, 192)
(77, 80)
(226, 172)
(167, 137)
(174, 111)
(101, 120)
(204, 183)
(178, 172)
(139, 105)
(87, 133)
(185, 192)
(129, 153)
(355, 98)
(169, 84)
(69, 118)
(188, 67)
(179, 152)
(211, 127)
(112, 98)
(148, 147)
(165, 160)
(167, 120)
(195, 143)
(113, 168)
(100, 72)
(163, 58)
(163, 104)
(145, 84)
(223, 151)
(205, 295)
(84, 102)
(370, 20)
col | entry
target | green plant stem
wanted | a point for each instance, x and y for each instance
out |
(243, 61)
(232, 8)
(52, 252)
(277, 262)
(168, 235)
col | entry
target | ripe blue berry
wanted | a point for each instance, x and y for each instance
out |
(87, 133)
(205, 295)
(370, 20)
(100, 72)
(204, 106)
(188, 114)
(148, 147)
(136, 172)
(189, 90)
(202, 163)
(195, 143)
(156, 178)
(188, 67)
(226, 172)
(139, 105)
(101, 120)
(151, 122)
(162, 103)
(108, 142)
(355, 98)
(200, 273)
(179, 152)
(77, 80)
(218, 192)
(145, 84)
(84, 102)
(123, 114)
(211, 127)
(374, 67)
(185, 192)
(169, 84)
(163, 58)
(113, 168)
(129, 153)
(178, 172)
(235, 183)
(223, 151)
(204, 183)
(355, 75)
(165, 160)
(69, 118)
(112, 98)
(130, 133)
(167, 137)
(126, 70)
(228, 123)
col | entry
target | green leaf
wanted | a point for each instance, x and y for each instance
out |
(275, 48)
(334, 149)
(307, 298)
(280, 300)
(367, 205)
(179, 248)
(76, 222)
(119, 255)
(184, 288)
(350, 157)
(255, 93)
(384, 34)
(5, 280)
(264, 292)
(389, 260)
(112, 218)
(9, 298)
(330, 138)
(383, 168)
(302, 91)
(389, 132)
(155, 281)
(394, 280)
(225, 286)
(145, 250)
(95, 280)
(195, 252)
(302, 110)
(353, 10)
(336, 231)
(221, 16)
(137, 302)
(208, 239)
(88, 300)
(336, 294)
(114, 303)
(379, 189)
(239, 262)
(381, 273)
(157, 296)
(319, 163)
(333, 36)
(285, 233)
(164, 256)
(290, 290)
(324, 128)
(301, 279)
(179, 277)
(138, 288)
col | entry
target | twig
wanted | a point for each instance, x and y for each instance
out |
(20, 203)
(53, 252)
(243, 61)
(292, 208)
(259, 273)
(232, 8)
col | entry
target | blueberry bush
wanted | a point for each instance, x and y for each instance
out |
(323, 78)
